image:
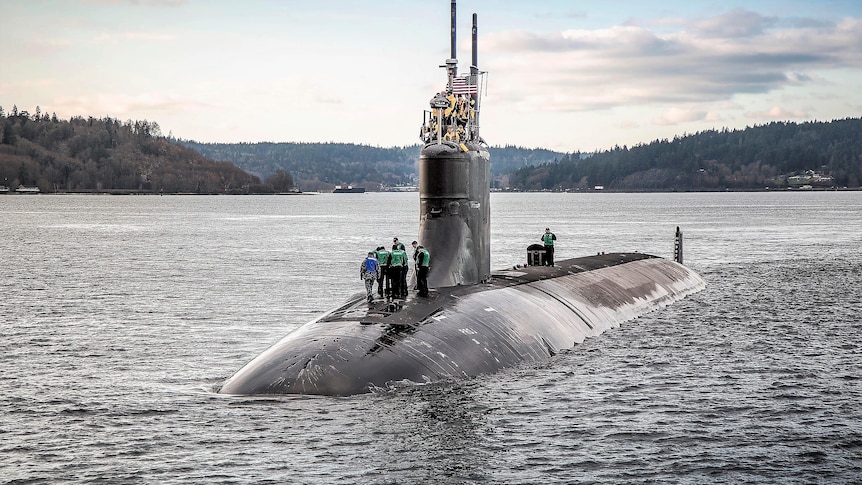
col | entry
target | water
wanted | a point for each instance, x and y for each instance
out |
(120, 316)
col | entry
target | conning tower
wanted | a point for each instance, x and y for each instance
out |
(454, 177)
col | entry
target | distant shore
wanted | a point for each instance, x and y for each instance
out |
(663, 191)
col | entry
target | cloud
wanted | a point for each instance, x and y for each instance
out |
(736, 23)
(145, 3)
(675, 116)
(121, 105)
(26, 84)
(145, 36)
(777, 113)
(703, 61)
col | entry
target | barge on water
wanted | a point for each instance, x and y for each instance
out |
(348, 189)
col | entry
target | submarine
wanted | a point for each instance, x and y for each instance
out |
(474, 321)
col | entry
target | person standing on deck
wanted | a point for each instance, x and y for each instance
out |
(415, 245)
(369, 271)
(548, 239)
(398, 271)
(423, 265)
(383, 260)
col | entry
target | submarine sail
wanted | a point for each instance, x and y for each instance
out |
(454, 179)
(474, 321)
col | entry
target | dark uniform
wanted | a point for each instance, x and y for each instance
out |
(423, 265)
(402, 270)
(398, 272)
(383, 259)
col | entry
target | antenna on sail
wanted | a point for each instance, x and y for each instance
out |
(474, 67)
(452, 62)
(453, 54)
(474, 77)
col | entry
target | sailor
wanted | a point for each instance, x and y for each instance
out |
(449, 112)
(415, 254)
(383, 260)
(462, 111)
(369, 271)
(548, 239)
(451, 134)
(431, 133)
(398, 271)
(423, 265)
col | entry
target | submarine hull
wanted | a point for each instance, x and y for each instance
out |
(518, 316)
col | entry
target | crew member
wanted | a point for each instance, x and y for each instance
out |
(423, 265)
(369, 271)
(548, 239)
(462, 112)
(398, 271)
(448, 112)
(397, 245)
(383, 260)
(451, 134)
(415, 254)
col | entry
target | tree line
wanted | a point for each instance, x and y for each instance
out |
(320, 166)
(106, 154)
(770, 155)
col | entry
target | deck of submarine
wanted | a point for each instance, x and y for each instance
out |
(415, 310)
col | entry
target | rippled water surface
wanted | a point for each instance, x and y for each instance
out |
(121, 316)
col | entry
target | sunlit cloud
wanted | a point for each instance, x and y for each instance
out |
(121, 105)
(777, 113)
(736, 23)
(705, 60)
(675, 116)
(144, 3)
(144, 36)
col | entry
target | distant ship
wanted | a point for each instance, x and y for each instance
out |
(348, 189)
(27, 190)
(474, 321)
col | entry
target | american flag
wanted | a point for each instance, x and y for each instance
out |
(464, 85)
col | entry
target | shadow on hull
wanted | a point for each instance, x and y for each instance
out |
(518, 316)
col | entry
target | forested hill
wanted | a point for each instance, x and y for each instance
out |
(779, 154)
(317, 166)
(320, 166)
(107, 155)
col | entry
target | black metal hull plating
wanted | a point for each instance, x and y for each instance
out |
(455, 212)
(518, 316)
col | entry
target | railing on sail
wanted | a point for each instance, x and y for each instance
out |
(454, 113)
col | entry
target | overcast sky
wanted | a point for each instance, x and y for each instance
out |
(565, 75)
